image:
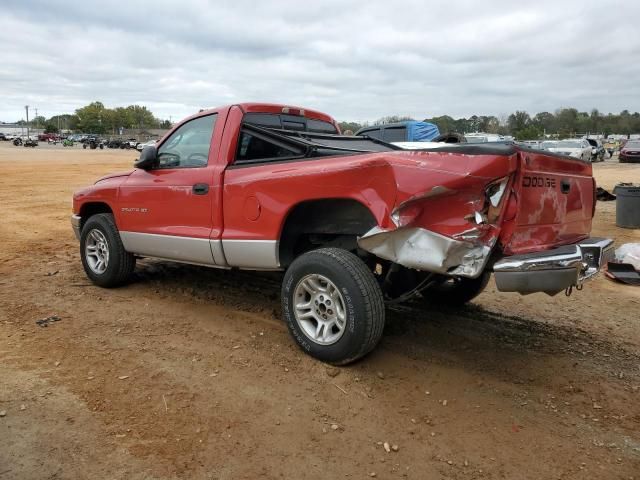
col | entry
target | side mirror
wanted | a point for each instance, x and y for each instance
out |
(148, 158)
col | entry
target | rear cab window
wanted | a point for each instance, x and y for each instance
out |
(253, 147)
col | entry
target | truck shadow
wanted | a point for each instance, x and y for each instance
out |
(481, 339)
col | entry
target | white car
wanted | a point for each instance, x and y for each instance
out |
(574, 147)
(140, 146)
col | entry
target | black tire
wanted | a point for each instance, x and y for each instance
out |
(456, 291)
(84, 145)
(358, 290)
(121, 263)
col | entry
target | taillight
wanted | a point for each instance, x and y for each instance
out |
(595, 197)
(495, 194)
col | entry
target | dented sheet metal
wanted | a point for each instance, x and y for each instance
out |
(422, 249)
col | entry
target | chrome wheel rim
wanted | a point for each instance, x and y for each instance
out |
(319, 309)
(96, 251)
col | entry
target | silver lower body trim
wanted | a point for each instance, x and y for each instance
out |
(249, 254)
(252, 254)
(181, 249)
(76, 221)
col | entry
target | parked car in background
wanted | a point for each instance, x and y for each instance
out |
(400, 132)
(535, 144)
(574, 147)
(141, 145)
(630, 153)
(131, 143)
(3, 137)
(597, 150)
(484, 137)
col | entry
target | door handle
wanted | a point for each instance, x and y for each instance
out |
(200, 189)
(565, 186)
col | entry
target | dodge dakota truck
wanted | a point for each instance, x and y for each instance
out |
(352, 221)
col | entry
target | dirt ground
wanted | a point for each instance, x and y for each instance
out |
(189, 373)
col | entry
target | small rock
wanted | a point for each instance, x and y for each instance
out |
(386, 446)
(286, 369)
(334, 426)
(235, 347)
(123, 377)
(278, 422)
(121, 435)
(23, 407)
(449, 462)
(57, 364)
(380, 375)
(444, 403)
(372, 474)
(466, 464)
(332, 371)
(427, 392)
(395, 448)
(90, 378)
(3, 413)
(596, 406)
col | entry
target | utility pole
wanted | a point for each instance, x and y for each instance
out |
(26, 107)
(37, 126)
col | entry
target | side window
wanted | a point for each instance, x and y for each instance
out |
(189, 145)
(319, 126)
(256, 148)
(373, 133)
(395, 134)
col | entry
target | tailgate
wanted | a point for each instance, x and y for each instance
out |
(551, 204)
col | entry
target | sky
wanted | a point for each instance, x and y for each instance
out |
(357, 61)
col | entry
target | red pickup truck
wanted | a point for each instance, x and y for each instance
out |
(354, 222)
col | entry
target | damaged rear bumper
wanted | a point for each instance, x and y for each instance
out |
(553, 271)
(424, 250)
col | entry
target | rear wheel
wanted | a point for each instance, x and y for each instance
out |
(104, 258)
(456, 291)
(333, 305)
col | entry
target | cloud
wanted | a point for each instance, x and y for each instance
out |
(354, 60)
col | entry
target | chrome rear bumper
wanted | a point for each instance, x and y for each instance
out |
(553, 271)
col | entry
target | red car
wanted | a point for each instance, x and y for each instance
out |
(354, 222)
(630, 152)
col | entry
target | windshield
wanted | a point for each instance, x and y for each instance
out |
(632, 145)
(569, 144)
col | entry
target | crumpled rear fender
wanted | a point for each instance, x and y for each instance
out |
(437, 223)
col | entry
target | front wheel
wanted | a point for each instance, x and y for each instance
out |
(333, 305)
(456, 291)
(104, 258)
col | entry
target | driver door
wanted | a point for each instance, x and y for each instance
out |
(166, 211)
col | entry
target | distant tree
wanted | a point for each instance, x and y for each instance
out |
(165, 124)
(353, 126)
(391, 119)
(50, 128)
(531, 132)
(518, 121)
(90, 118)
(445, 124)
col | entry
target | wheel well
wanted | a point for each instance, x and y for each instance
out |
(93, 208)
(323, 223)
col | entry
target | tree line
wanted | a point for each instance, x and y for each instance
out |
(564, 122)
(96, 118)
